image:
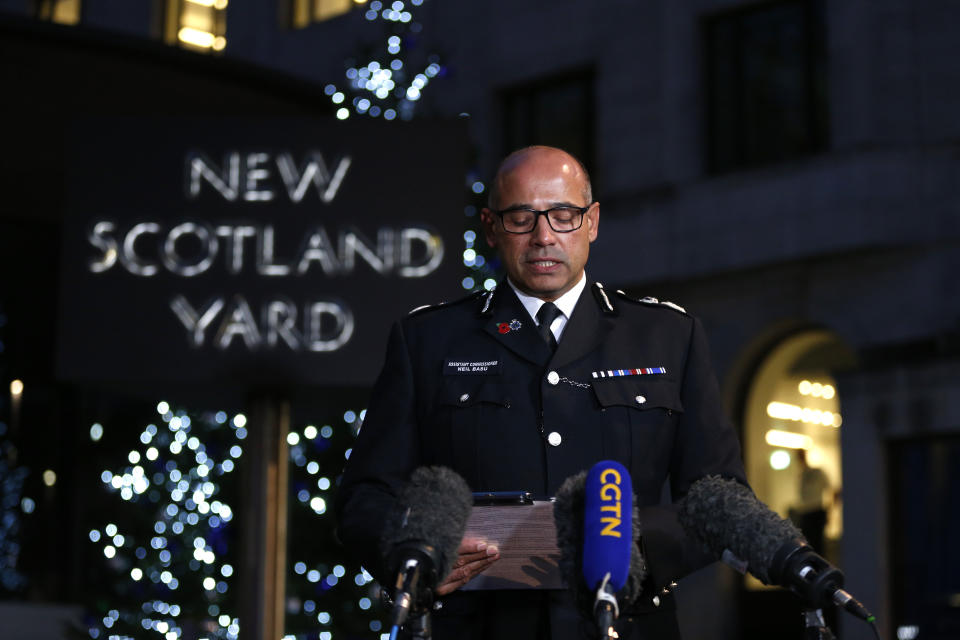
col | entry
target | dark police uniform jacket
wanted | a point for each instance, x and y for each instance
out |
(471, 385)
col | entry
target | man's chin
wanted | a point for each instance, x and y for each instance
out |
(546, 287)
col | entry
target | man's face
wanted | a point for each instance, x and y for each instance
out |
(542, 263)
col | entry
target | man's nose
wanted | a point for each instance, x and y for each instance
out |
(542, 234)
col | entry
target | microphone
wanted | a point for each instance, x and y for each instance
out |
(421, 537)
(730, 521)
(597, 534)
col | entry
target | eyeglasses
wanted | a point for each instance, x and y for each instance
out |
(560, 219)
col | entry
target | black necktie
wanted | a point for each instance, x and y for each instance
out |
(545, 316)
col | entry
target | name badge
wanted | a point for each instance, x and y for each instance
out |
(471, 368)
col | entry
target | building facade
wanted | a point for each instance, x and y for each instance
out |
(786, 170)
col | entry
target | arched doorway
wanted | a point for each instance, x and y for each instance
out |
(791, 434)
(792, 417)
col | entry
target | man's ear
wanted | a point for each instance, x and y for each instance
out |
(593, 221)
(487, 218)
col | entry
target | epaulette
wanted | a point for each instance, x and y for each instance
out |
(440, 305)
(485, 310)
(651, 301)
(603, 299)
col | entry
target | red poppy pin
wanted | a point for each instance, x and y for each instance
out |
(507, 327)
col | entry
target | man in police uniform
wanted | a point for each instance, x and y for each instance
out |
(520, 388)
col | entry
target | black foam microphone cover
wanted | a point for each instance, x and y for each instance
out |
(431, 514)
(724, 514)
(728, 518)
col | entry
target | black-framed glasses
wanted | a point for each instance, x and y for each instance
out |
(560, 219)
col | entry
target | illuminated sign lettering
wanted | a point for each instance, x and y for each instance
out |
(264, 250)
(249, 176)
(146, 248)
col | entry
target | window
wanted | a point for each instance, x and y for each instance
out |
(555, 111)
(62, 11)
(199, 25)
(304, 12)
(766, 92)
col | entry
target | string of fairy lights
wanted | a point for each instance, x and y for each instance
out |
(177, 475)
(481, 269)
(318, 584)
(388, 85)
(179, 567)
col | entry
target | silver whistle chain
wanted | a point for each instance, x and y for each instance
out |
(574, 382)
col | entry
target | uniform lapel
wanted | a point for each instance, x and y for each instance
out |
(585, 330)
(524, 340)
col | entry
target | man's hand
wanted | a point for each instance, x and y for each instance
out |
(475, 556)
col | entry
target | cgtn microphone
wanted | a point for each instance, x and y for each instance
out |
(597, 534)
(422, 535)
(728, 519)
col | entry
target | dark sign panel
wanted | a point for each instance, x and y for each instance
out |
(253, 251)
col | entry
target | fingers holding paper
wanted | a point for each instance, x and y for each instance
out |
(474, 556)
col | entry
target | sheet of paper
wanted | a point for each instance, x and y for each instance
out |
(527, 539)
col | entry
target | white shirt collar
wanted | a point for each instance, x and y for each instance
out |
(565, 303)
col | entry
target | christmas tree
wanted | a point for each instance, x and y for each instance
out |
(394, 72)
(169, 540)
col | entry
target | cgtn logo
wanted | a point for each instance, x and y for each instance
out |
(611, 500)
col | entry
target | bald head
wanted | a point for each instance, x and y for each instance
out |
(539, 157)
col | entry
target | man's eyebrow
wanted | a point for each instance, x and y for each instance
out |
(553, 205)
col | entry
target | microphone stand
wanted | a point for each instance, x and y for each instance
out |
(415, 579)
(415, 627)
(420, 628)
(605, 609)
(406, 588)
(814, 626)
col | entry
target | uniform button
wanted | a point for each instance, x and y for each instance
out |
(553, 377)
(641, 399)
(656, 601)
(554, 439)
(464, 397)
